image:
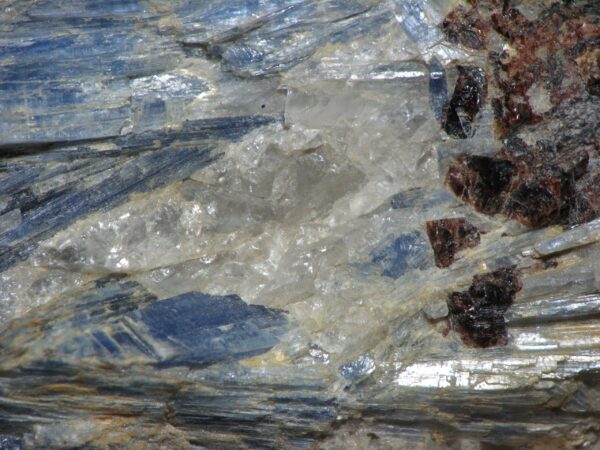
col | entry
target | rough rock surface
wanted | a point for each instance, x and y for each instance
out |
(214, 224)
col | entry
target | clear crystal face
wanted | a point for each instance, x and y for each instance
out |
(299, 224)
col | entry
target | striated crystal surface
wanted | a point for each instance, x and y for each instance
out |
(299, 224)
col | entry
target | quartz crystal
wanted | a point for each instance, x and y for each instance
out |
(271, 224)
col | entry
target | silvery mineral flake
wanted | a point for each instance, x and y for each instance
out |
(299, 224)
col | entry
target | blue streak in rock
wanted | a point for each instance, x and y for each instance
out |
(405, 252)
(115, 322)
(107, 342)
(414, 23)
(203, 329)
(297, 405)
(63, 206)
(8, 442)
(87, 8)
(358, 368)
(226, 20)
(44, 48)
(145, 162)
(438, 88)
(419, 198)
(274, 46)
(67, 87)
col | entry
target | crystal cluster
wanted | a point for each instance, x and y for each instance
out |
(336, 224)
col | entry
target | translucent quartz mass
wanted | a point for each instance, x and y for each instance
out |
(213, 234)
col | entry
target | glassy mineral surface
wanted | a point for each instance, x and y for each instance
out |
(271, 224)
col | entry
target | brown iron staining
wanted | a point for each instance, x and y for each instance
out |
(466, 27)
(478, 313)
(558, 52)
(547, 85)
(545, 56)
(449, 236)
(535, 185)
(589, 68)
(469, 95)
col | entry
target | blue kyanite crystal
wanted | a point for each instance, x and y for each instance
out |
(406, 251)
(118, 322)
(202, 329)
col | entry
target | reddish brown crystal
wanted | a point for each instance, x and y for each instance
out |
(544, 54)
(478, 313)
(530, 184)
(469, 95)
(449, 236)
(559, 51)
(548, 84)
(482, 181)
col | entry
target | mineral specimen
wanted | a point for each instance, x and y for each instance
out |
(469, 93)
(214, 223)
(478, 314)
(449, 236)
(466, 27)
(537, 186)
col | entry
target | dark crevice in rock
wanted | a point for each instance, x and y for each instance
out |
(478, 313)
(449, 236)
